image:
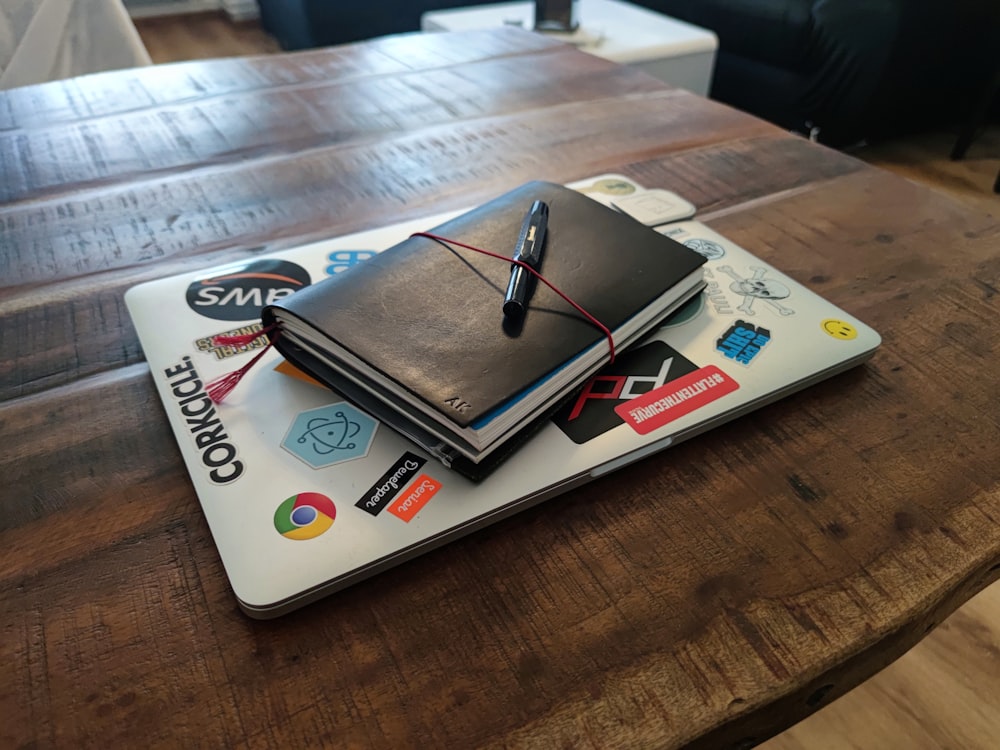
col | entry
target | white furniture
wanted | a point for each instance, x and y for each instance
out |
(673, 51)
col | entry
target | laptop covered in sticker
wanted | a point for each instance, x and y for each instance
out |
(305, 493)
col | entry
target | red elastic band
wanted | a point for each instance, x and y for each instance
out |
(604, 329)
(220, 387)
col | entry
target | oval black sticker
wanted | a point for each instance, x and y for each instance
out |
(239, 292)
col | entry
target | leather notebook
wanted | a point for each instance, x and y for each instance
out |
(416, 334)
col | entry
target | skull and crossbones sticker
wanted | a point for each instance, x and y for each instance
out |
(757, 287)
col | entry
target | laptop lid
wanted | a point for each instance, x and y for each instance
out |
(306, 494)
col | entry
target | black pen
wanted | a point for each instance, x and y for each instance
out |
(528, 250)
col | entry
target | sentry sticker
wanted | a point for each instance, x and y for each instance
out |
(675, 399)
(414, 497)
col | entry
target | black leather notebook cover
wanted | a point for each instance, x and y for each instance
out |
(429, 316)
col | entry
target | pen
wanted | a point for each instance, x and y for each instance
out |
(528, 250)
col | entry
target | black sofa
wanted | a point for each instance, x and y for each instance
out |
(841, 70)
(851, 69)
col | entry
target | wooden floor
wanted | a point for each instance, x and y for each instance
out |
(924, 158)
(202, 36)
(945, 693)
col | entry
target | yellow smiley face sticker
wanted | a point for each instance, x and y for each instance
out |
(839, 329)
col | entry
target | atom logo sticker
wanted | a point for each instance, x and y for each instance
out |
(330, 435)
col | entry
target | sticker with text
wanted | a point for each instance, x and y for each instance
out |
(225, 351)
(388, 485)
(241, 290)
(743, 341)
(713, 292)
(637, 371)
(414, 497)
(675, 399)
(217, 450)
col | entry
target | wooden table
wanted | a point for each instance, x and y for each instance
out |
(712, 594)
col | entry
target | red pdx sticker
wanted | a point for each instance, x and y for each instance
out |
(675, 399)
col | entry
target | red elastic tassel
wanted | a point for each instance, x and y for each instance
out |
(220, 387)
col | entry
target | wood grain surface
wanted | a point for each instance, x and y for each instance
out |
(711, 595)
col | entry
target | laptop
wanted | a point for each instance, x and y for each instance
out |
(306, 494)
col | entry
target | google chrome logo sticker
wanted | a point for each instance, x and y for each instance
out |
(304, 516)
